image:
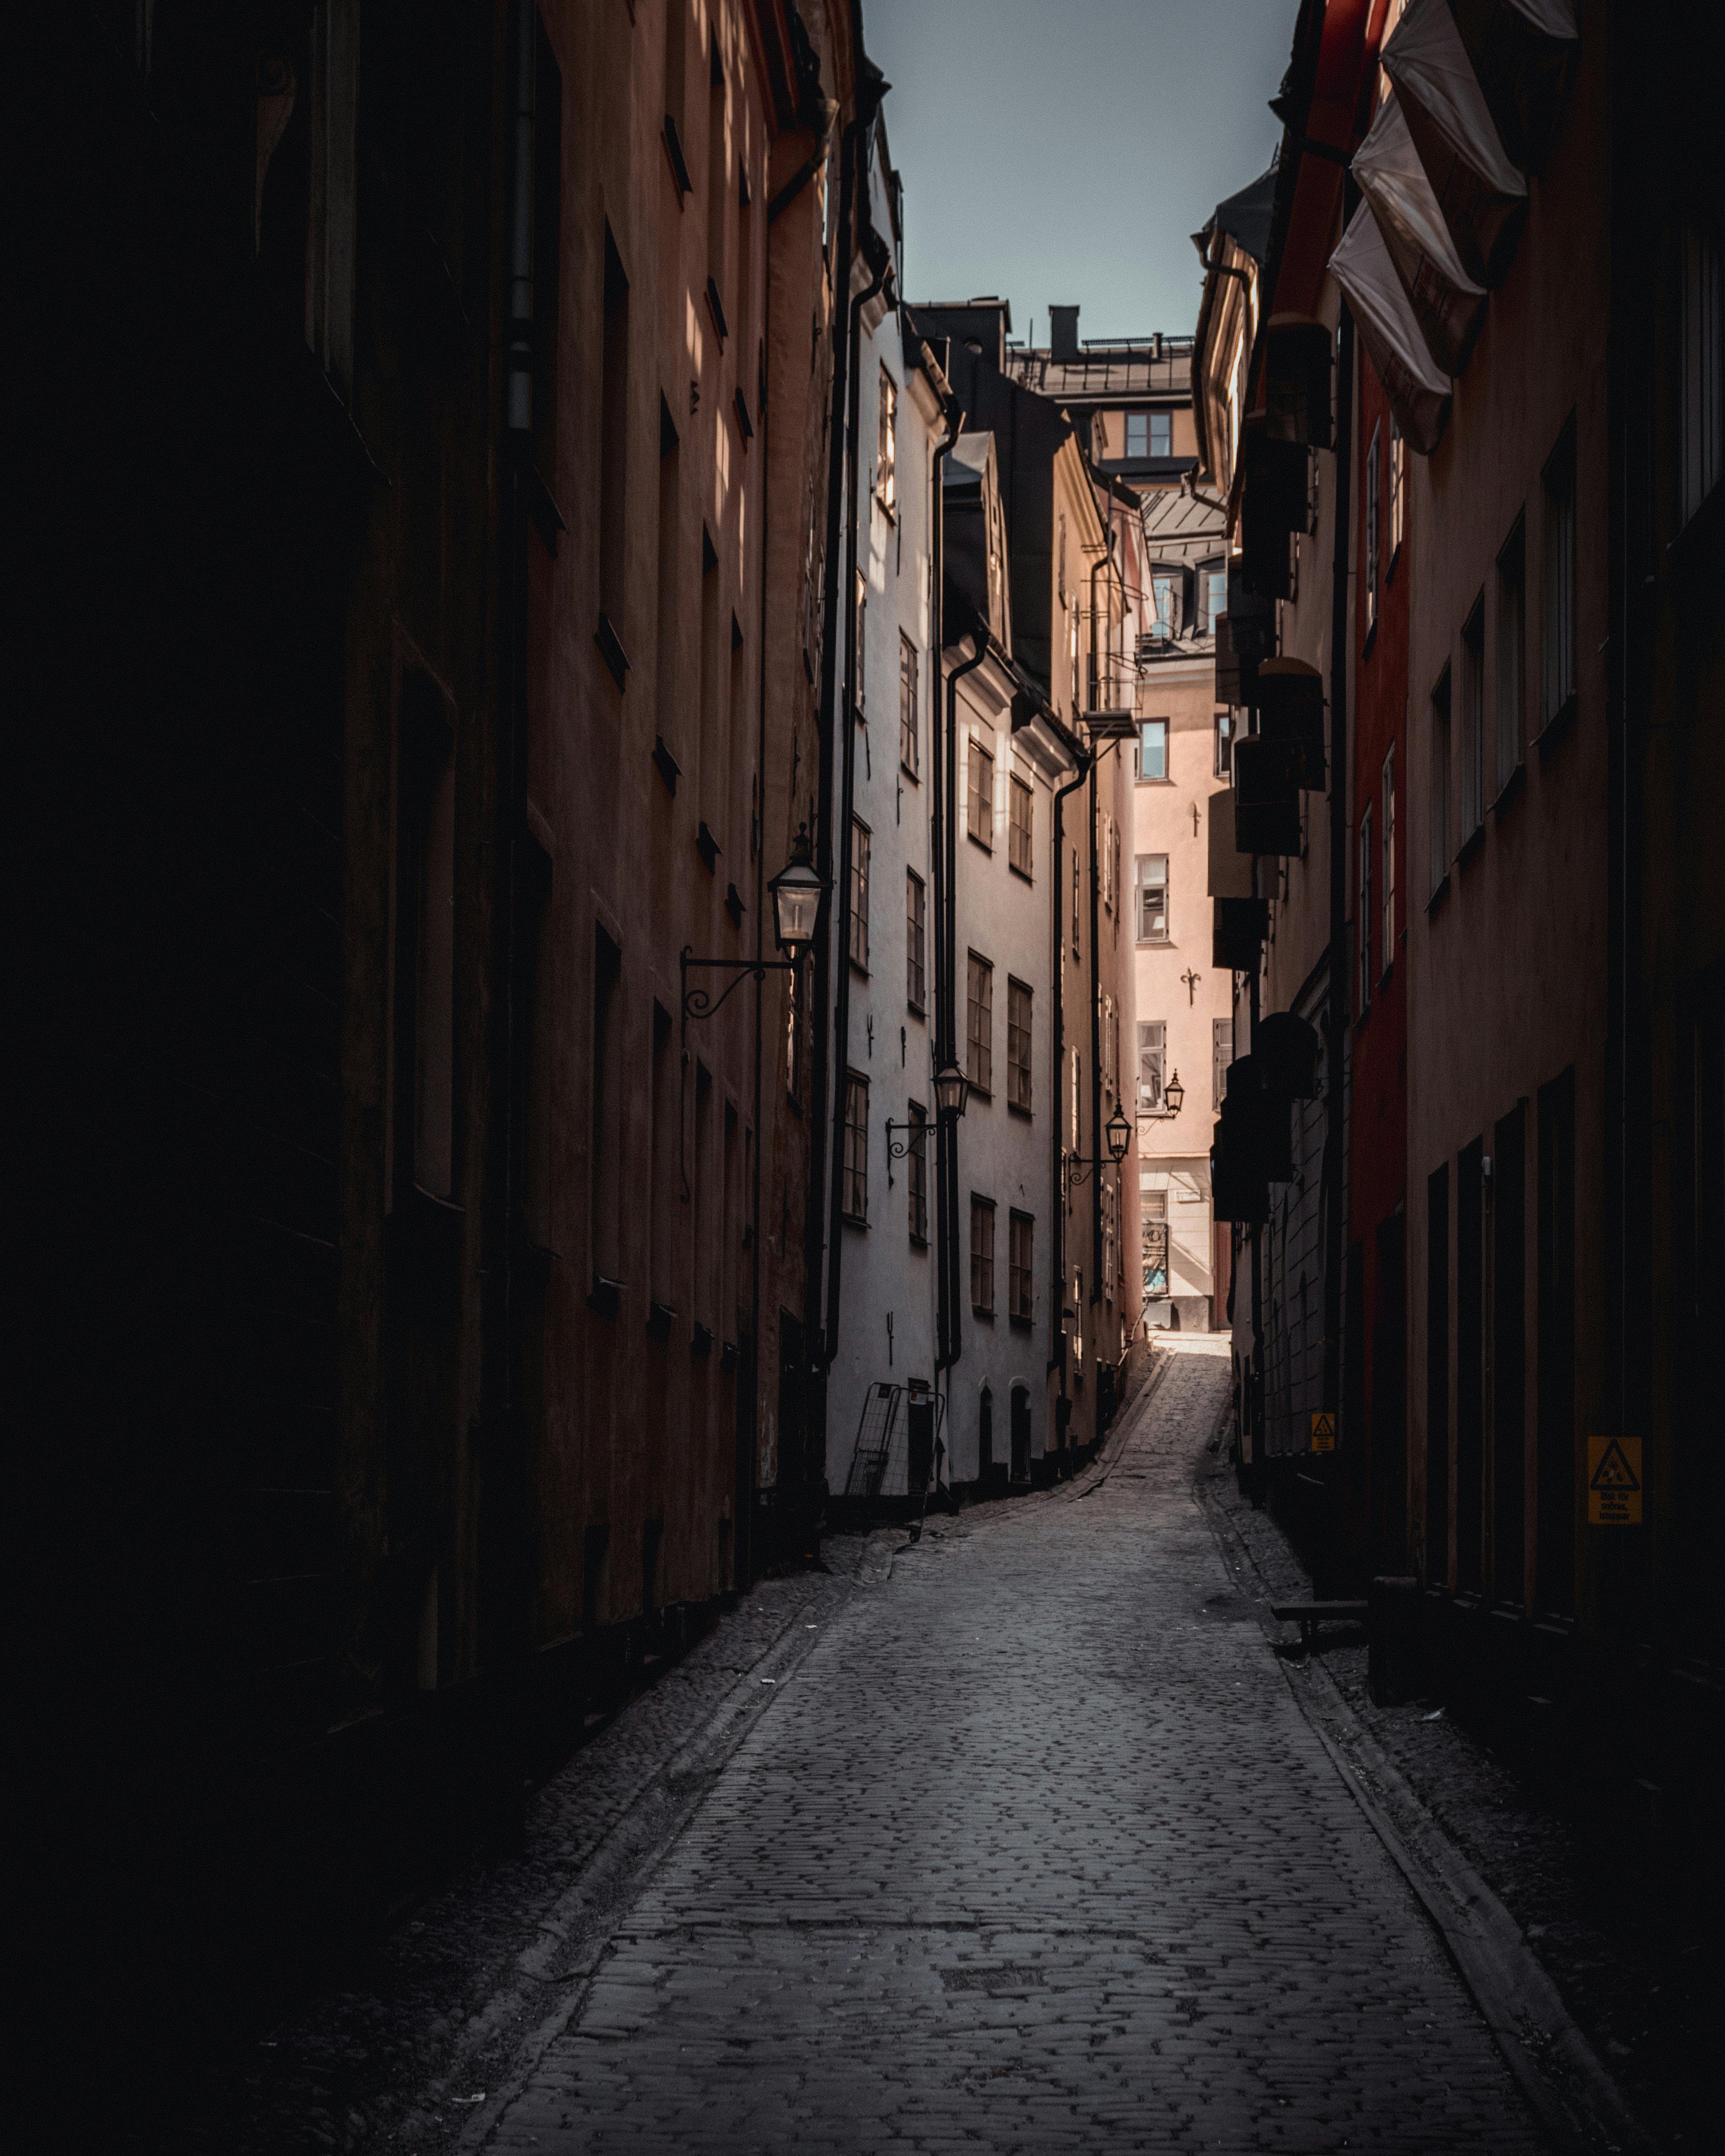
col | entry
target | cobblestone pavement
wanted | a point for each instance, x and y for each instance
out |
(1034, 1849)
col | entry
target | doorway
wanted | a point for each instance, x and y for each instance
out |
(1021, 1432)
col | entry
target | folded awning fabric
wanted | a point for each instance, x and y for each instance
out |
(1521, 51)
(1482, 197)
(1417, 388)
(1392, 176)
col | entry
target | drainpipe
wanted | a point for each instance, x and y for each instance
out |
(937, 524)
(1335, 1134)
(946, 1037)
(1084, 761)
(876, 253)
(1104, 565)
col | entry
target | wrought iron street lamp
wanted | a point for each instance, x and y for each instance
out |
(952, 1090)
(1173, 1096)
(1118, 1132)
(798, 892)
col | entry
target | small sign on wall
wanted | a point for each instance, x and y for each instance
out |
(1323, 1431)
(1613, 1481)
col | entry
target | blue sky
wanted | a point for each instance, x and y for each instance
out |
(1056, 150)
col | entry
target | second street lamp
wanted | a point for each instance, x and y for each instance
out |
(1118, 1134)
(799, 892)
(951, 1089)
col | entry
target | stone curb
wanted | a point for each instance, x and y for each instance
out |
(1567, 2085)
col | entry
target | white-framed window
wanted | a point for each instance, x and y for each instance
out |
(1018, 1007)
(1152, 1059)
(1137, 434)
(908, 731)
(979, 807)
(1224, 741)
(1221, 1055)
(1212, 595)
(1151, 756)
(1165, 604)
(1152, 921)
(855, 1192)
(1020, 833)
(860, 840)
(915, 941)
(979, 1025)
(981, 1255)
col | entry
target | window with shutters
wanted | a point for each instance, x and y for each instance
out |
(1023, 803)
(916, 933)
(909, 748)
(1557, 607)
(917, 1171)
(1221, 1055)
(979, 808)
(886, 455)
(1153, 1054)
(982, 1256)
(1018, 1045)
(1021, 1278)
(859, 842)
(1153, 898)
(854, 1195)
(1362, 922)
(1386, 845)
(979, 1023)
(1371, 536)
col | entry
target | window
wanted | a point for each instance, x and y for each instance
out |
(855, 1192)
(1212, 595)
(1061, 571)
(1702, 417)
(1440, 781)
(1398, 491)
(979, 1023)
(1372, 535)
(1019, 837)
(980, 808)
(859, 893)
(1387, 847)
(1152, 1055)
(1362, 911)
(1511, 619)
(1111, 1044)
(1152, 749)
(614, 434)
(1165, 605)
(1161, 434)
(1224, 742)
(1077, 883)
(916, 927)
(1558, 595)
(916, 1172)
(982, 1256)
(907, 738)
(1153, 898)
(886, 462)
(1473, 720)
(1221, 1055)
(1020, 1276)
(1018, 1043)
(1137, 434)
(1077, 1097)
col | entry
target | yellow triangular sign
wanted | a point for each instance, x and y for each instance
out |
(1323, 1431)
(1614, 1472)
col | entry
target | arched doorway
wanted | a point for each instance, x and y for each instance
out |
(1021, 1432)
(985, 1435)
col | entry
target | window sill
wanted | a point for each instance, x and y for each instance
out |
(1017, 1108)
(918, 1242)
(916, 1010)
(1551, 735)
(1386, 977)
(1139, 780)
(1155, 942)
(859, 967)
(1023, 875)
(978, 1092)
(1371, 637)
(1470, 844)
(794, 1104)
(1361, 1022)
(911, 772)
(604, 1295)
(660, 1318)
(700, 1341)
(1022, 1324)
(1509, 792)
(982, 845)
(611, 650)
(982, 1317)
(1439, 896)
(853, 1220)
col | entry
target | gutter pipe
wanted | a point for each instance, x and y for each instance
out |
(946, 1046)
(1336, 1027)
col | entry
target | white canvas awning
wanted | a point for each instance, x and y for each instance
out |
(1482, 197)
(1392, 176)
(1417, 388)
(1521, 51)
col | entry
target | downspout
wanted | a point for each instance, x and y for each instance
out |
(1085, 762)
(945, 1050)
(1095, 1046)
(875, 252)
(937, 526)
(1335, 1134)
(812, 1217)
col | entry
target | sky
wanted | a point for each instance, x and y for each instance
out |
(1062, 150)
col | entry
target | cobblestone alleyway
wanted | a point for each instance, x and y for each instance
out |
(1033, 1851)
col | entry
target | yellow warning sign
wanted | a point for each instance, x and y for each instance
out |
(1613, 1481)
(1323, 1431)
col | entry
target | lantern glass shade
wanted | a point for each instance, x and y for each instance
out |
(951, 1089)
(1174, 1094)
(797, 894)
(1120, 1135)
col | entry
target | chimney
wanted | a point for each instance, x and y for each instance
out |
(1063, 333)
